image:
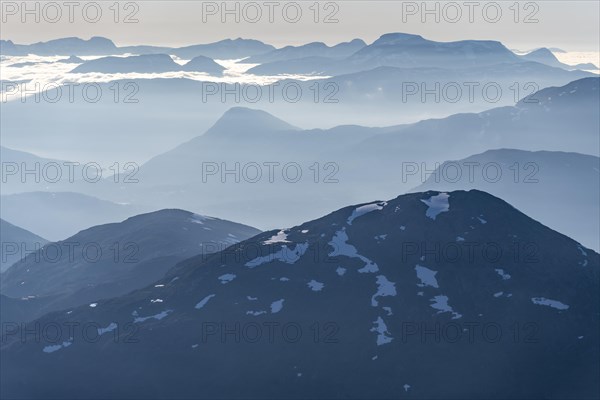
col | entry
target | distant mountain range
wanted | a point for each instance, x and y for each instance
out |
(363, 302)
(402, 50)
(111, 260)
(357, 162)
(363, 161)
(225, 49)
(149, 63)
(545, 56)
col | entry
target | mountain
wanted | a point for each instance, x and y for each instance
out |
(539, 183)
(16, 242)
(7, 47)
(404, 50)
(239, 119)
(545, 56)
(64, 46)
(401, 49)
(23, 171)
(72, 60)
(203, 64)
(148, 63)
(314, 49)
(58, 215)
(224, 50)
(300, 66)
(348, 163)
(429, 295)
(542, 119)
(12, 310)
(113, 259)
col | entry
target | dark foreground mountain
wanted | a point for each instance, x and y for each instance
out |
(14, 241)
(113, 259)
(382, 300)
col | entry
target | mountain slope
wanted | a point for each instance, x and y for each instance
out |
(545, 56)
(538, 183)
(58, 215)
(16, 242)
(113, 259)
(367, 288)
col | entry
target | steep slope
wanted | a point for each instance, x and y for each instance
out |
(16, 242)
(379, 300)
(113, 259)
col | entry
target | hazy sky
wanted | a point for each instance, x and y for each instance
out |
(572, 25)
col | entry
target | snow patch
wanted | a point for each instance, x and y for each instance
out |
(436, 205)
(255, 313)
(279, 237)
(157, 317)
(226, 278)
(111, 327)
(203, 302)
(315, 286)
(384, 288)
(362, 210)
(56, 347)
(382, 332)
(276, 306)
(542, 301)
(441, 303)
(501, 272)
(285, 255)
(427, 277)
(342, 248)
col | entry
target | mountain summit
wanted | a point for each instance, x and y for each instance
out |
(242, 120)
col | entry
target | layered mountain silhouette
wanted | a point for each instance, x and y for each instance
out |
(538, 183)
(113, 259)
(224, 49)
(402, 50)
(315, 49)
(65, 46)
(59, 215)
(545, 56)
(366, 302)
(148, 63)
(353, 162)
(15, 242)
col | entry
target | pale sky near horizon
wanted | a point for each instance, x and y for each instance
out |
(571, 25)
